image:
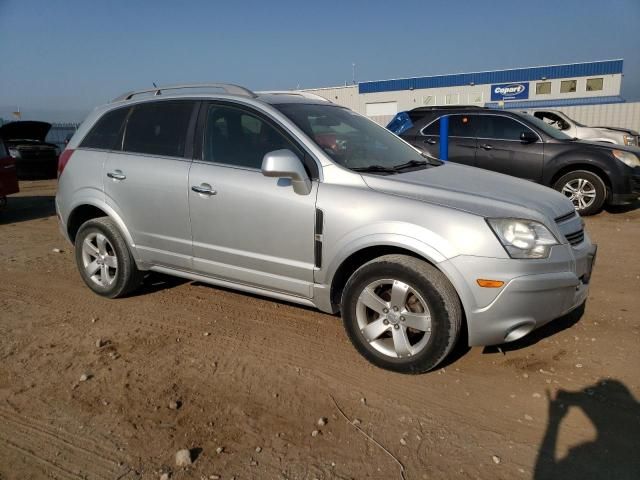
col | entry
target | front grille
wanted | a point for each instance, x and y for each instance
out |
(575, 238)
(568, 216)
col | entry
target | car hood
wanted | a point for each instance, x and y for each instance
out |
(27, 130)
(616, 129)
(477, 191)
(604, 146)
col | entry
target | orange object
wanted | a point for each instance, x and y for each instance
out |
(490, 283)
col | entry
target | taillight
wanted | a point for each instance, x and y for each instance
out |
(63, 159)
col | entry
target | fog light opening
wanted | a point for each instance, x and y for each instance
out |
(519, 331)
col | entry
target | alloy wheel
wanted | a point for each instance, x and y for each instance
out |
(393, 318)
(99, 259)
(581, 192)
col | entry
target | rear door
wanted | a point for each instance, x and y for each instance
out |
(501, 150)
(462, 141)
(146, 179)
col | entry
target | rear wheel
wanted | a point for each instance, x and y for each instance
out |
(104, 260)
(586, 190)
(401, 313)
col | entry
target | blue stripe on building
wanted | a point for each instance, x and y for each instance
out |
(607, 67)
(560, 102)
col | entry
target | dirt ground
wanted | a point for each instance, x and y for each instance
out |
(253, 376)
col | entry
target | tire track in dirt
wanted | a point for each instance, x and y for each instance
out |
(55, 449)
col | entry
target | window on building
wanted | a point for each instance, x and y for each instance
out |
(459, 126)
(475, 97)
(158, 128)
(543, 88)
(568, 86)
(106, 131)
(236, 137)
(429, 100)
(452, 99)
(594, 84)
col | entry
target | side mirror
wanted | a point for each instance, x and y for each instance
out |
(286, 164)
(528, 137)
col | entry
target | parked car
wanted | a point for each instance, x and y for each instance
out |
(589, 174)
(294, 198)
(574, 129)
(8, 177)
(35, 158)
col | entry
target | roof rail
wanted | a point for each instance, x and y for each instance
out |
(309, 95)
(228, 88)
(448, 107)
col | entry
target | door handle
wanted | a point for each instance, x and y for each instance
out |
(203, 189)
(486, 146)
(430, 141)
(116, 175)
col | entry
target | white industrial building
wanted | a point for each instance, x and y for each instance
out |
(588, 92)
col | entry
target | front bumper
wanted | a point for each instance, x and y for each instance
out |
(535, 291)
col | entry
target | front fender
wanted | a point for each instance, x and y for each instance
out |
(418, 240)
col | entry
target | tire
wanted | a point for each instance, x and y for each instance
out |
(419, 286)
(104, 260)
(586, 190)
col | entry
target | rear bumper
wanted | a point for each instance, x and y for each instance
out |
(528, 300)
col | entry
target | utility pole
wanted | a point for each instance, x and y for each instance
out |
(353, 81)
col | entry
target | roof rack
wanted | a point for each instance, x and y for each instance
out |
(309, 95)
(448, 107)
(228, 88)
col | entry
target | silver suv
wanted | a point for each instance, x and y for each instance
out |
(289, 196)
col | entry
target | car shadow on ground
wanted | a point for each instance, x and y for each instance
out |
(21, 209)
(154, 282)
(546, 331)
(613, 454)
(617, 209)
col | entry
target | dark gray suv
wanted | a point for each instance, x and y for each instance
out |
(514, 143)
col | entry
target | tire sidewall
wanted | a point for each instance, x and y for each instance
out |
(438, 343)
(598, 183)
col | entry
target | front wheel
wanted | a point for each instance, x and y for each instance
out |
(585, 189)
(401, 313)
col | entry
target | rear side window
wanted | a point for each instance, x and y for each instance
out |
(499, 127)
(106, 131)
(158, 128)
(459, 126)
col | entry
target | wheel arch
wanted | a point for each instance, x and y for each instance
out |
(589, 167)
(89, 210)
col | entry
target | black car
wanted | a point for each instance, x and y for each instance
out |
(521, 145)
(34, 156)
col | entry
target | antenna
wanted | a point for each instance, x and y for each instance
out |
(154, 85)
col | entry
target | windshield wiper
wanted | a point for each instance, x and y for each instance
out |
(375, 169)
(410, 164)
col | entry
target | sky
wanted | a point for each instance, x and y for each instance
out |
(60, 59)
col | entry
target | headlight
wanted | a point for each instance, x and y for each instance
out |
(523, 238)
(627, 157)
(14, 152)
(630, 140)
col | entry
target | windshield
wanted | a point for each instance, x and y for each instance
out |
(545, 127)
(352, 140)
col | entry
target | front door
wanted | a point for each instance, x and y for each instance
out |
(146, 180)
(248, 228)
(462, 141)
(501, 150)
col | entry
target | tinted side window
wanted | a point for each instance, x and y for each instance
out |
(499, 128)
(106, 131)
(459, 126)
(236, 137)
(158, 128)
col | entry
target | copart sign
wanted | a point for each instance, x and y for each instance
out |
(509, 91)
